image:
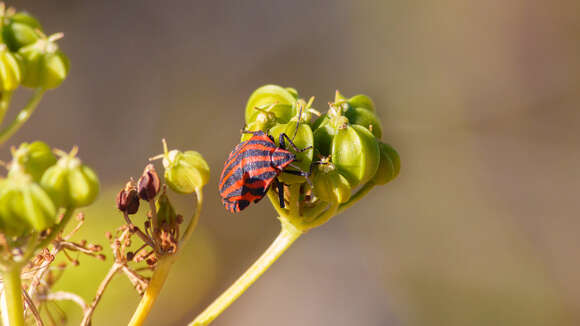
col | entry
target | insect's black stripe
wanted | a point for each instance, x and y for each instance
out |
(240, 190)
(244, 154)
(240, 147)
(239, 173)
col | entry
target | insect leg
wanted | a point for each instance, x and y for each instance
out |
(281, 193)
(301, 173)
(296, 149)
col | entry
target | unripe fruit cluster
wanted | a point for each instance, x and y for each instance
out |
(346, 140)
(27, 56)
(38, 184)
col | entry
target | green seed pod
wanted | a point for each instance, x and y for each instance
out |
(329, 185)
(292, 91)
(185, 172)
(266, 96)
(269, 116)
(355, 153)
(20, 30)
(389, 166)
(10, 69)
(46, 66)
(361, 101)
(24, 206)
(165, 211)
(303, 139)
(32, 159)
(364, 117)
(70, 183)
(325, 128)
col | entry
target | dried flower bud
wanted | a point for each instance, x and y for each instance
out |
(149, 184)
(128, 199)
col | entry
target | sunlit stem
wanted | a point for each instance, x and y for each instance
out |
(153, 289)
(285, 239)
(5, 99)
(14, 316)
(357, 196)
(22, 116)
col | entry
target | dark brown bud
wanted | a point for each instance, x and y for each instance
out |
(130, 256)
(128, 200)
(149, 184)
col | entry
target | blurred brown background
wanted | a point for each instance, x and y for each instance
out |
(481, 98)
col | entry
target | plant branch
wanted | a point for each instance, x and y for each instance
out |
(155, 285)
(357, 196)
(285, 239)
(194, 218)
(89, 312)
(22, 116)
(30, 305)
(5, 99)
(13, 295)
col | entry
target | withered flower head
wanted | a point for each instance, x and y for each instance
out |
(149, 184)
(128, 199)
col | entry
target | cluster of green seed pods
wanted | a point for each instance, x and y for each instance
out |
(347, 149)
(38, 185)
(27, 56)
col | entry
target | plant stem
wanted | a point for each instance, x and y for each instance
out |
(194, 218)
(22, 117)
(357, 196)
(153, 290)
(287, 236)
(88, 314)
(13, 292)
(55, 231)
(5, 99)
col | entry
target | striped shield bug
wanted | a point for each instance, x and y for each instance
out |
(253, 166)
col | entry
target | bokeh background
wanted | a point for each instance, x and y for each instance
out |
(481, 98)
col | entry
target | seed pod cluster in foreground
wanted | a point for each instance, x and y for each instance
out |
(38, 185)
(27, 56)
(348, 151)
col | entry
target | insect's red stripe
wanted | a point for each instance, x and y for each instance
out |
(246, 148)
(244, 162)
(242, 183)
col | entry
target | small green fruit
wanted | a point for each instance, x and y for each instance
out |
(32, 159)
(355, 154)
(329, 185)
(165, 211)
(24, 206)
(185, 172)
(361, 101)
(46, 66)
(389, 166)
(10, 70)
(20, 30)
(363, 117)
(70, 183)
(304, 138)
(265, 96)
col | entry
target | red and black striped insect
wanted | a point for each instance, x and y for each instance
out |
(253, 166)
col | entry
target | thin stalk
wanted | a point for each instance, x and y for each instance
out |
(22, 117)
(162, 270)
(56, 230)
(287, 236)
(153, 290)
(357, 196)
(5, 99)
(88, 313)
(13, 295)
(194, 218)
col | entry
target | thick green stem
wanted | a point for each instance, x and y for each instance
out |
(22, 117)
(13, 294)
(5, 99)
(287, 236)
(155, 285)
